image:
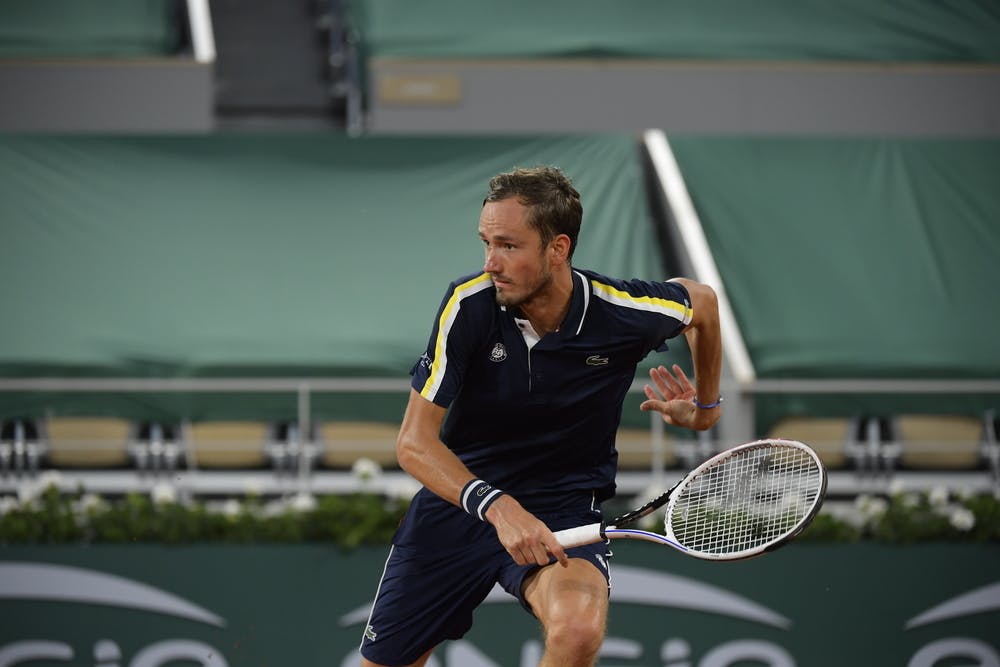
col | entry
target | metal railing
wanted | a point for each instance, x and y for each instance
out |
(303, 451)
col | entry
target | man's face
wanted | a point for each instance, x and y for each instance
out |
(515, 258)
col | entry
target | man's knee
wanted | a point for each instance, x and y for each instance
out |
(572, 606)
(578, 632)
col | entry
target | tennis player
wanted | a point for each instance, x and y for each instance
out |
(511, 424)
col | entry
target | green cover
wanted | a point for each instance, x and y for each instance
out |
(92, 28)
(857, 258)
(251, 255)
(821, 30)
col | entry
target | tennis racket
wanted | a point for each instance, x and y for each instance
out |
(742, 502)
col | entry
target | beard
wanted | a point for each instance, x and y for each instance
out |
(537, 287)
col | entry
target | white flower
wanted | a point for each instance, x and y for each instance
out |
(50, 478)
(870, 507)
(29, 492)
(302, 502)
(962, 519)
(910, 500)
(862, 500)
(405, 489)
(252, 488)
(88, 505)
(845, 512)
(365, 470)
(896, 487)
(163, 493)
(231, 508)
(938, 496)
(90, 502)
(7, 504)
(793, 502)
(274, 508)
(964, 492)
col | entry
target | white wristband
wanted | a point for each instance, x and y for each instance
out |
(477, 496)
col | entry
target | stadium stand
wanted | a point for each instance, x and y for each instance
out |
(106, 66)
(728, 67)
(854, 239)
(282, 65)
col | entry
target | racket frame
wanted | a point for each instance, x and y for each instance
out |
(615, 529)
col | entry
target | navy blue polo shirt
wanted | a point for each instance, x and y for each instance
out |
(537, 417)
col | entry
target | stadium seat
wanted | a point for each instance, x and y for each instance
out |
(157, 447)
(20, 448)
(87, 442)
(288, 446)
(829, 436)
(939, 441)
(226, 444)
(343, 443)
(991, 444)
(635, 449)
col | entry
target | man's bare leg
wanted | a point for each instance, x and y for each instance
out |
(572, 605)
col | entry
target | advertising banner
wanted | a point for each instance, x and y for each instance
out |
(808, 605)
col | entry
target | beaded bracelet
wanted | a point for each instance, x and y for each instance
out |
(477, 496)
(706, 406)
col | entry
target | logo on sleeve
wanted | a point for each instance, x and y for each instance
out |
(499, 353)
(597, 360)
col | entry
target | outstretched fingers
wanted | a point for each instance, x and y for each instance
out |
(672, 386)
(672, 395)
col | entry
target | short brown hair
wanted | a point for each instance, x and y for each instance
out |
(554, 202)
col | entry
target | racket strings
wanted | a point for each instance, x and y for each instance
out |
(746, 501)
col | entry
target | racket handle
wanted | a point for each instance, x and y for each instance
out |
(576, 537)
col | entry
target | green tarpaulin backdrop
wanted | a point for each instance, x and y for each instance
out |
(856, 258)
(317, 255)
(786, 30)
(95, 28)
(234, 255)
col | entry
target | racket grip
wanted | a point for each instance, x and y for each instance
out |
(576, 537)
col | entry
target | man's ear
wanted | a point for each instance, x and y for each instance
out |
(560, 248)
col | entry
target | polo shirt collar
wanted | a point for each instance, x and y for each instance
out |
(578, 305)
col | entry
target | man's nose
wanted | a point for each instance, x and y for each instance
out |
(491, 265)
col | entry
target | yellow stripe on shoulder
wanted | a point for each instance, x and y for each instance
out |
(668, 307)
(445, 322)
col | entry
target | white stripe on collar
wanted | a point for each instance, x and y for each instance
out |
(586, 299)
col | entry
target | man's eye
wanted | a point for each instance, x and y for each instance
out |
(508, 246)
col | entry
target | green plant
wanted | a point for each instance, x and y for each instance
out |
(49, 516)
(344, 520)
(908, 517)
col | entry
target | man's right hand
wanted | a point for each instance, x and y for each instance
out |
(523, 535)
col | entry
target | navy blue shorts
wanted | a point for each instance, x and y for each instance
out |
(442, 565)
